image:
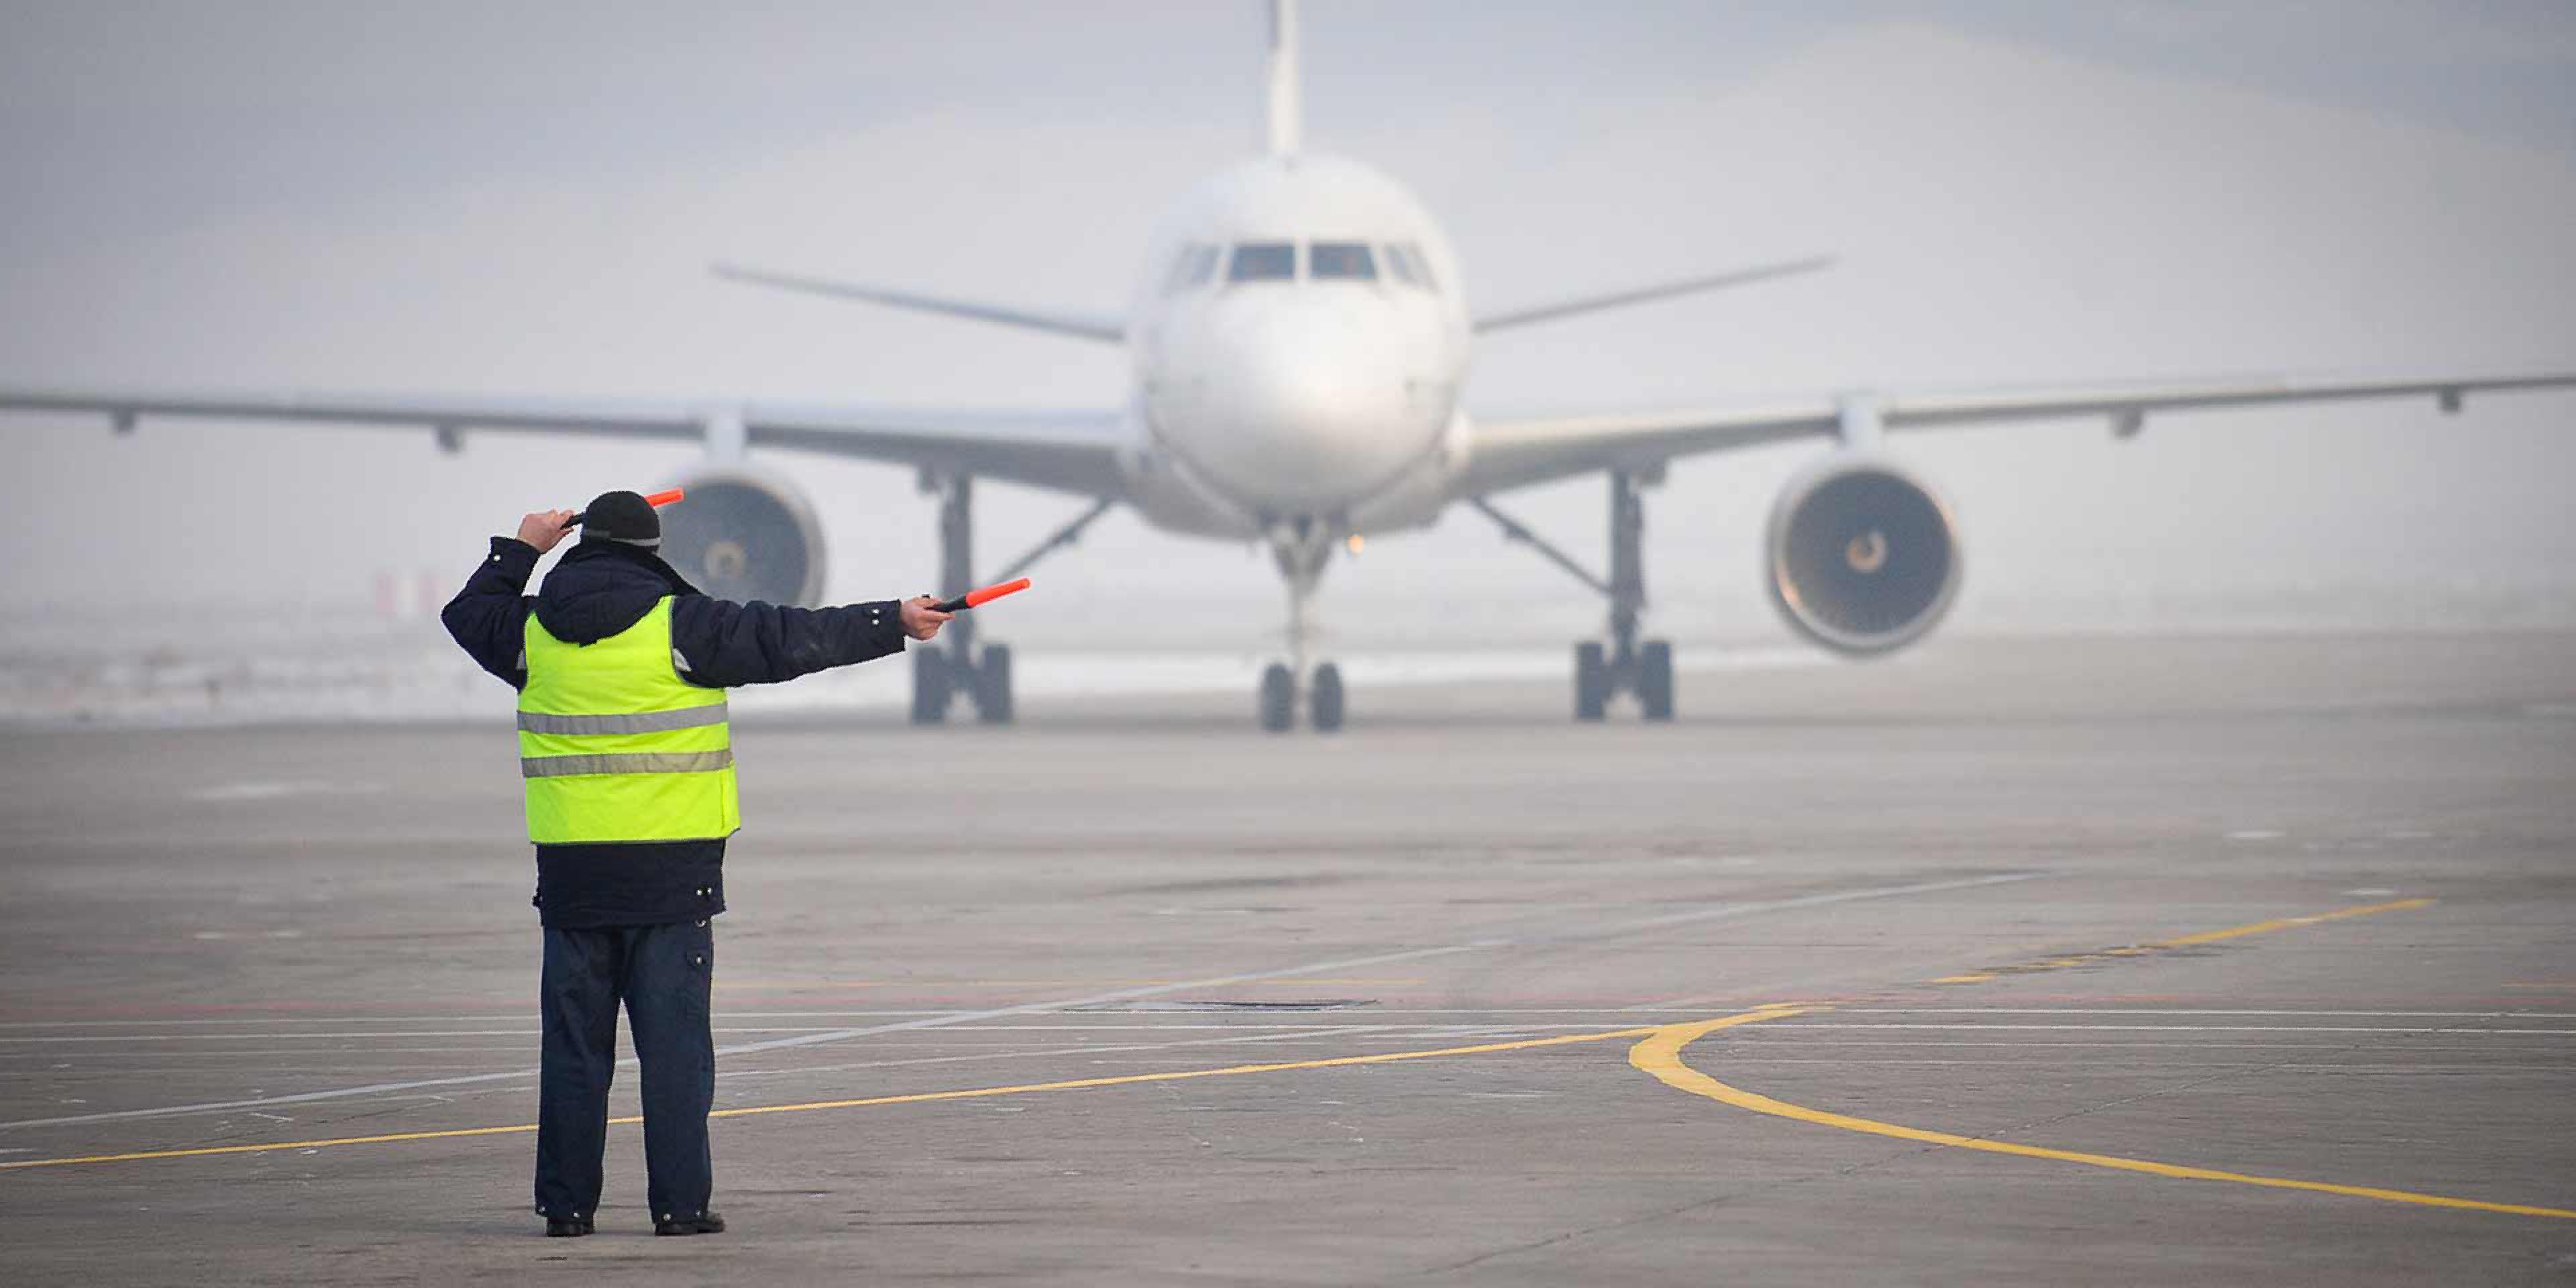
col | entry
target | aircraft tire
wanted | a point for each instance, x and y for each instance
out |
(1591, 681)
(1655, 679)
(993, 686)
(1278, 698)
(929, 686)
(1324, 709)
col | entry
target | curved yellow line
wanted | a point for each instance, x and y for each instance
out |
(916, 1098)
(1661, 1055)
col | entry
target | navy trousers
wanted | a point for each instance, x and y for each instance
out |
(662, 974)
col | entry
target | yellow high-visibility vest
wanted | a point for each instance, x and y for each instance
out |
(615, 746)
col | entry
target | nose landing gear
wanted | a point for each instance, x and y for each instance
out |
(1301, 551)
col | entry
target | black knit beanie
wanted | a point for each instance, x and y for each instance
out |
(622, 517)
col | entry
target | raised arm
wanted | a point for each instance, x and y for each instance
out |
(489, 618)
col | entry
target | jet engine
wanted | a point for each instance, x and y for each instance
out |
(1861, 557)
(745, 534)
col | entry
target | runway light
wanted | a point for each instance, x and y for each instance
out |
(1355, 543)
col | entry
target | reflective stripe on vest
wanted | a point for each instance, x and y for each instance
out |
(648, 722)
(633, 762)
(615, 746)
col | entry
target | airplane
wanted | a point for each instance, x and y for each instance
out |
(1298, 341)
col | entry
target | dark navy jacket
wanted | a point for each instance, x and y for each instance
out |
(597, 590)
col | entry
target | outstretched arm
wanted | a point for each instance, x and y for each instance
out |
(724, 643)
(489, 618)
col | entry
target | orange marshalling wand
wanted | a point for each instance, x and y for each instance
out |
(986, 595)
(656, 500)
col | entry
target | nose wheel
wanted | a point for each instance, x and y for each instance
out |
(1277, 699)
(1324, 699)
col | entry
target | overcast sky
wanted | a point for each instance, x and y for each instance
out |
(522, 199)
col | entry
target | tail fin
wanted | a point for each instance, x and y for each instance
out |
(1286, 106)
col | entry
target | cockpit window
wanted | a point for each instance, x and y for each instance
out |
(1399, 267)
(1340, 259)
(1263, 262)
(1192, 267)
(1405, 259)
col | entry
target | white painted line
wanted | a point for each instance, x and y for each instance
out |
(1737, 1059)
(533, 1034)
(731, 1014)
(2145, 1010)
(270, 791)
(1595, 1008)
(1910, 1044)
(307, 1037)
(110, 1061)
(1716, 912)
(1730, 911)
(1025, 1052)
(1283, 1022)
(1787, 1027)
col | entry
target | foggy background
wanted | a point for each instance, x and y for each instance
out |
(459, 198)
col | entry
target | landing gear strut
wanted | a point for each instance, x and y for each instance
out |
(1301, 550)
(954, 668)
(1643, 668)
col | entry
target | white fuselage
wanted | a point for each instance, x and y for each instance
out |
(1299, 340)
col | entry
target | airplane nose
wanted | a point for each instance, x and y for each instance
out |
(1305, 387)
(1309, 410)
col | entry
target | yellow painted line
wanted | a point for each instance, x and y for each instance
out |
(2285, 923)
(1661, 1055)
(277, 1145)
(925, 1097)
(2185, 941)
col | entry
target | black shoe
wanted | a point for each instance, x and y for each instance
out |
(704, 1223)
(566, 1229)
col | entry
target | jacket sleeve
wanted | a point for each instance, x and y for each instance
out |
(724, 643)
(489, 618)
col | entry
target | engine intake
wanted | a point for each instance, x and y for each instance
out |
(1862, 558)
(744, 534)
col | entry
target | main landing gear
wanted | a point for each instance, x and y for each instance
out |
(952, 667)
(1301, 550)
(1624, 664)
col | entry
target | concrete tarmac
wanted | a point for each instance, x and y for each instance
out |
(2245, 960)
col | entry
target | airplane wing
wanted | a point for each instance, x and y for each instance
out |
(1101, 327)
(1649, 294)
(1065, 451)
(1518, 452)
